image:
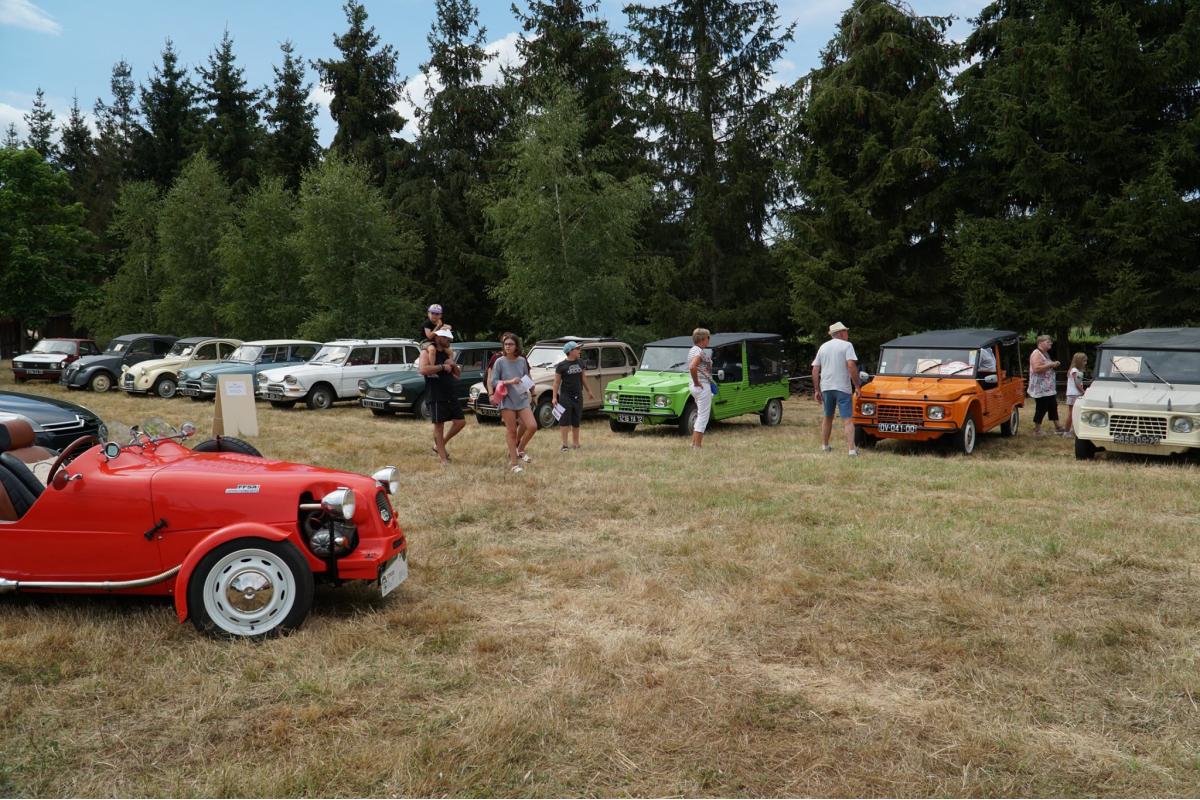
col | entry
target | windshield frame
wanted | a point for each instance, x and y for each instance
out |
(968, 356)
(1156, 359)
(677, 364)
(72, 347)
(118, 346)
(556, 352)
(233, 356)
(180, 350)
(331, 348)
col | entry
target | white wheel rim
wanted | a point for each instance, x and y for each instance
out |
(1014, 421)
(249, 592)
(775, 412)
(969, 437)
(166, 389)
(100, 383)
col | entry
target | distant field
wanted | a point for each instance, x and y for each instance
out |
(637, 619)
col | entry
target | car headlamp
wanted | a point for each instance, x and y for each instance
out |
(937, 412)
(206, 377)
(62, 364)
(610, 398)
(661, 401)
(340, 502)
(1181, 424)
(475, 392)
(362, 384)
(388, 479)
(261, 378)
(290, 380)
(396, 388)
(1097, 419)
(867, 409)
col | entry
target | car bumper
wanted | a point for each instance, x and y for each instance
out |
(196, 389)
(391, 404)
(37, 374)
(913, 432)
(651, 416)
(135, 385)
(281, 392)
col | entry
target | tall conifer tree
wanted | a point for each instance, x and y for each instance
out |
(78, 153)
(12, 139)
(231, 130)
(40, 123)
(170, 119)
(291, 145)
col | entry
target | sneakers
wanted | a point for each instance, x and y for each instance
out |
(853, 454)
(517, 470)
(524, 457)
(826, 448)
(564, 449)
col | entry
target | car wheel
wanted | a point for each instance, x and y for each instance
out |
(422, 408)
(320, 398)
(250, 589)
(620, 427)
(1085, 449)
(100, 382)
(165, 387)
(687, 420)
(382, 412)
(282, 403)
(1014, 422)
(227, 444)
(772, 415)
(862, 439)
(544, 414)
(966, 436)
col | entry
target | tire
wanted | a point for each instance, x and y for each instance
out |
(382, 412)
(255, 565)
(101, 382)
(620, 427)
(966, 437)
(862, 439)
(772, 415)
(544, 413)
(687, 420)
(282, 403)
(422, 408)
(1085, 449)
(227, 444)
(1011, 427)
(165, 387)
(320, 397)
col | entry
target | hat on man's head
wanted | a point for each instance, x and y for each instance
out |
(445, 333)
(435, 309)
(569, 346)
(837, 327)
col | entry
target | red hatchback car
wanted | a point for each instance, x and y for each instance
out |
(50, 357)
(238, 540)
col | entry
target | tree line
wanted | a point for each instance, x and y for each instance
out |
(1042, 174)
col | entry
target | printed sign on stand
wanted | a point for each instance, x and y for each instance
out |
(235, 414)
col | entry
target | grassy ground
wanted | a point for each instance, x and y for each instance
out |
(635, 618)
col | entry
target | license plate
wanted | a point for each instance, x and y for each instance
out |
(487, 411)
(34, 371)
(1136, 438)
(636, 419)
(393, 575)
(274, 396)
(374, 404)
(190, 392)
(897, 427)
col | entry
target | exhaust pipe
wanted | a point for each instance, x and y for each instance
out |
(8, 585)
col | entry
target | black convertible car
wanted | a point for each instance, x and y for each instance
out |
(57, 423)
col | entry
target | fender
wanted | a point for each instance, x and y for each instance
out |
(240, 530)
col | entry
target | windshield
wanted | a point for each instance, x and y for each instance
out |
(937, 362)
(665, 359)
(182, 350)
(117, 346)
(330, 354)
(545, 356)
(54, 346)
(247, 353)
(1151, 366)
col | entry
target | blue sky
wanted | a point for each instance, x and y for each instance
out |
(68, 47)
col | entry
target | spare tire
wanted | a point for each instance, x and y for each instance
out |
(227, 444)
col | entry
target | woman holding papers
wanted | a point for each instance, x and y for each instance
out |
(509, 382)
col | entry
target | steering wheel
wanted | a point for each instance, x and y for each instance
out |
(74, 449)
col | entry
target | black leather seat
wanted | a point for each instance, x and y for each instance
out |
(15, 498)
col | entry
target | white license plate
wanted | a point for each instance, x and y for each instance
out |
(190, 392)
(1135, 438)
(636, 419)
(274, 396)
(393, 575)
(34, 371)
(374, 404)
(897, 427)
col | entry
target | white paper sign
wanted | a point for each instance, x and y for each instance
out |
(236, 389)
(234, 413)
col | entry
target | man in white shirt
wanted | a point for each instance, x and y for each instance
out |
(835, 382)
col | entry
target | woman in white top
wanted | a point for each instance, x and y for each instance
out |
(1074, 386)
(700, 366)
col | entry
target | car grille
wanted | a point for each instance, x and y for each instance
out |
(378, 394)
(127, 380)
(638, 403)
(906, 414)
(275, 387)
(68, 425)
(190, 385)
(1119, 424)
(385, 508)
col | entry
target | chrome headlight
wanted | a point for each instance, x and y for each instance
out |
(206, 377)
(475, 392)
(867, 409)
(388, 479)
(396, 388)
(290, 380)
(339, 502)
(62, 364)
(1181, 424)
(661, 401)
(610, 398)
(261, 378)
(1097, 419)
(937, 412)
(362, 384)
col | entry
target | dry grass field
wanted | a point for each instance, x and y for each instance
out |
(637, 619)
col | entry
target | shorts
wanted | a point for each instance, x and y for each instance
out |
(1071, 398)
(446, 410)
(572, 411)
(843, 400)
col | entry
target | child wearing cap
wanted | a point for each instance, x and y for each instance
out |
(433, 323)
(569, 386)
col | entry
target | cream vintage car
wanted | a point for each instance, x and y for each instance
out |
(1145, 396)
(160, 376)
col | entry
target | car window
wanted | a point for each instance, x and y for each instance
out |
(224, 349)
(472, 359)
(1010, 360)
(765, 360)
(590, 357)
(303, 352)
(361, 356)
(206, 352)
(143, 346)
(88, 349)
(270, 355)
(392, 355)
(729, 359)
(612, 357)
(161, 346)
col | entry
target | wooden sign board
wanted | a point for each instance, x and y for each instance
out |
(235, 414)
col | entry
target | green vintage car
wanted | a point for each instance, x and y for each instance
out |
(748, 369)
(404, 390)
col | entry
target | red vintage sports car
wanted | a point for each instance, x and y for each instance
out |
(237, 539)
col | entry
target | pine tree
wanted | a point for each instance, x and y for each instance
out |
(365, 92)
(707, 65)
(117, 126)
(40, 123)
(291, 146)
(12, 140)
(78, 154)
(171, 122)
(231, 131)
(875, 149)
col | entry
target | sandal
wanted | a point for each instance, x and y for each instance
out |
(524, 457)
(517, 469)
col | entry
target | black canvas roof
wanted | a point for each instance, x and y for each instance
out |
(717, 340)
(125, 336)
(1157, 339)
(959, 337)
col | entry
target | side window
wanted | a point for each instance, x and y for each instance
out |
(590, 357)
(361, 357)
(765, 361)
(271, 355)
(206, 352)
(224, 349)
(88, 349)
(471, 359)
(391, 355)
(303, 352)
(612, 357)
(411, 355)
(144, 347)
(1010, 360)
(729, 359)
(161, 346)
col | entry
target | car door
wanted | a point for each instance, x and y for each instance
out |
(225, 349)
(140, 350)
(729, 374)
(361, 363)
(590, 356)
(299, 353)
(205, 352)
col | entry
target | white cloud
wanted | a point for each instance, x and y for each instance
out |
(24, 14)
(11, 115)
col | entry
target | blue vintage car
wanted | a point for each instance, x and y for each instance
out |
(200, 383)
(387, 394)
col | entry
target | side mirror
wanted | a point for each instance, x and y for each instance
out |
(720, 374)
(188, 430)
(863, 377)
(991, 379)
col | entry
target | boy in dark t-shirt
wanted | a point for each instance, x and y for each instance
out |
(432, 324)
(569, 385)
